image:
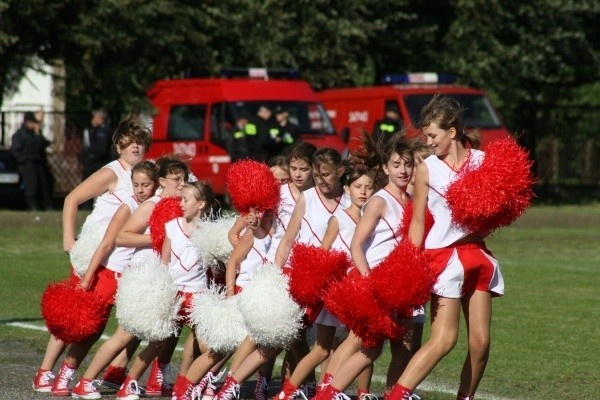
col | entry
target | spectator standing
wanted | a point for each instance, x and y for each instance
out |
(97, 141)
(384, 129)
(288, 131)
(29, 148)
(261, 131)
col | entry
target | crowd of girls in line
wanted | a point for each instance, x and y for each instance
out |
(355, 206)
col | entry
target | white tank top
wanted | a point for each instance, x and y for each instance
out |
(253, 261)
(316, 216)
(106, 204)
(281, 220)
(144, 253)
(347, 227)
(444, 232)
(386, 234)
(187, 271)
(120, 257)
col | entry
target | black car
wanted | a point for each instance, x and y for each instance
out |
(11, 188)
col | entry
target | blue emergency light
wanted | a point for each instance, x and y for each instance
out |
(418, 78)
(260, 73)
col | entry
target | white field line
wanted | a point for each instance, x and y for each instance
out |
(429, 386)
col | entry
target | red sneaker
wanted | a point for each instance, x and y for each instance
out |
(229, 391)
(43, 381)
(114, 377)
(156, 386)
(183, 389)
(261, 390)
(85, 389)
(60, 387)
(130, 390)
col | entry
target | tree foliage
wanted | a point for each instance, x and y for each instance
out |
(530, 55)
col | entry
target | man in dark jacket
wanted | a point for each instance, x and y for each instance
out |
(29, 148)
(384, 129)
(261, 131)
(97, 143)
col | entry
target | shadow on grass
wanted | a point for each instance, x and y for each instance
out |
(13, 320)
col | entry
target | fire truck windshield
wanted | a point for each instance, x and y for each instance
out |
(310, 118)
(478, 113)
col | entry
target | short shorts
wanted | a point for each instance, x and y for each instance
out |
(463, 269)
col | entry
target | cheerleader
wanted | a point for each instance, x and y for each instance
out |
(358, 185)
(135, 234)
(375, 237)
(307, 224)
(468, 275)
(110, 185)
(187, 269)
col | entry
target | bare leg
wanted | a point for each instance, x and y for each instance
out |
(122, 359)
(145, 357)
(191, 351)
(444, 333)
(202, 365)
(253, 362)
(353, 366)
(244, 350)
(344, 351)
(477, 308)
(300, 349)
(316, 356)
(54, 349)
(400, 349)
(107, 352)
(364, 379)
(78, 351)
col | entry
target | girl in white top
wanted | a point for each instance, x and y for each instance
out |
(358, 185)
(300, 158)
(107, 258)
(467, 273)
(376, 235)
(111, 185)
(170, 174)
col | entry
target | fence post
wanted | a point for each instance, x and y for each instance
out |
(587, 176)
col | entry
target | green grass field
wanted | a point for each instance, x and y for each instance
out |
(545, 329)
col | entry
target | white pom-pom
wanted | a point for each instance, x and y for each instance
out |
(147, 301)
(81, 254)
(271, 316)
(218, 320)
(210, 239)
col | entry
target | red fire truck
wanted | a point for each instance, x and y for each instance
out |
(197, 117)
(353, 110)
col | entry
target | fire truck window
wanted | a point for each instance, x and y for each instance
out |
(221, 125)
(186, 122)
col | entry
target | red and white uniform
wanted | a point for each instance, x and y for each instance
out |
(316, 216)
(187, 270)
(460, 268)
(105, 207)
(120, 257)
(386, 234)
(106, 204)
(255, 259)
(347, 226)
(142, 254)
(281, 220)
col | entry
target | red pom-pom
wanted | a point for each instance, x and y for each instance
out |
(72, 314)
(495, 194)
(164, 211)
(251, 184)
(313, 269)
(352, 302)
(407, 217)
(403, 280)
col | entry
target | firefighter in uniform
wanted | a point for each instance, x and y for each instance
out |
(261, 132)
(385, 128)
